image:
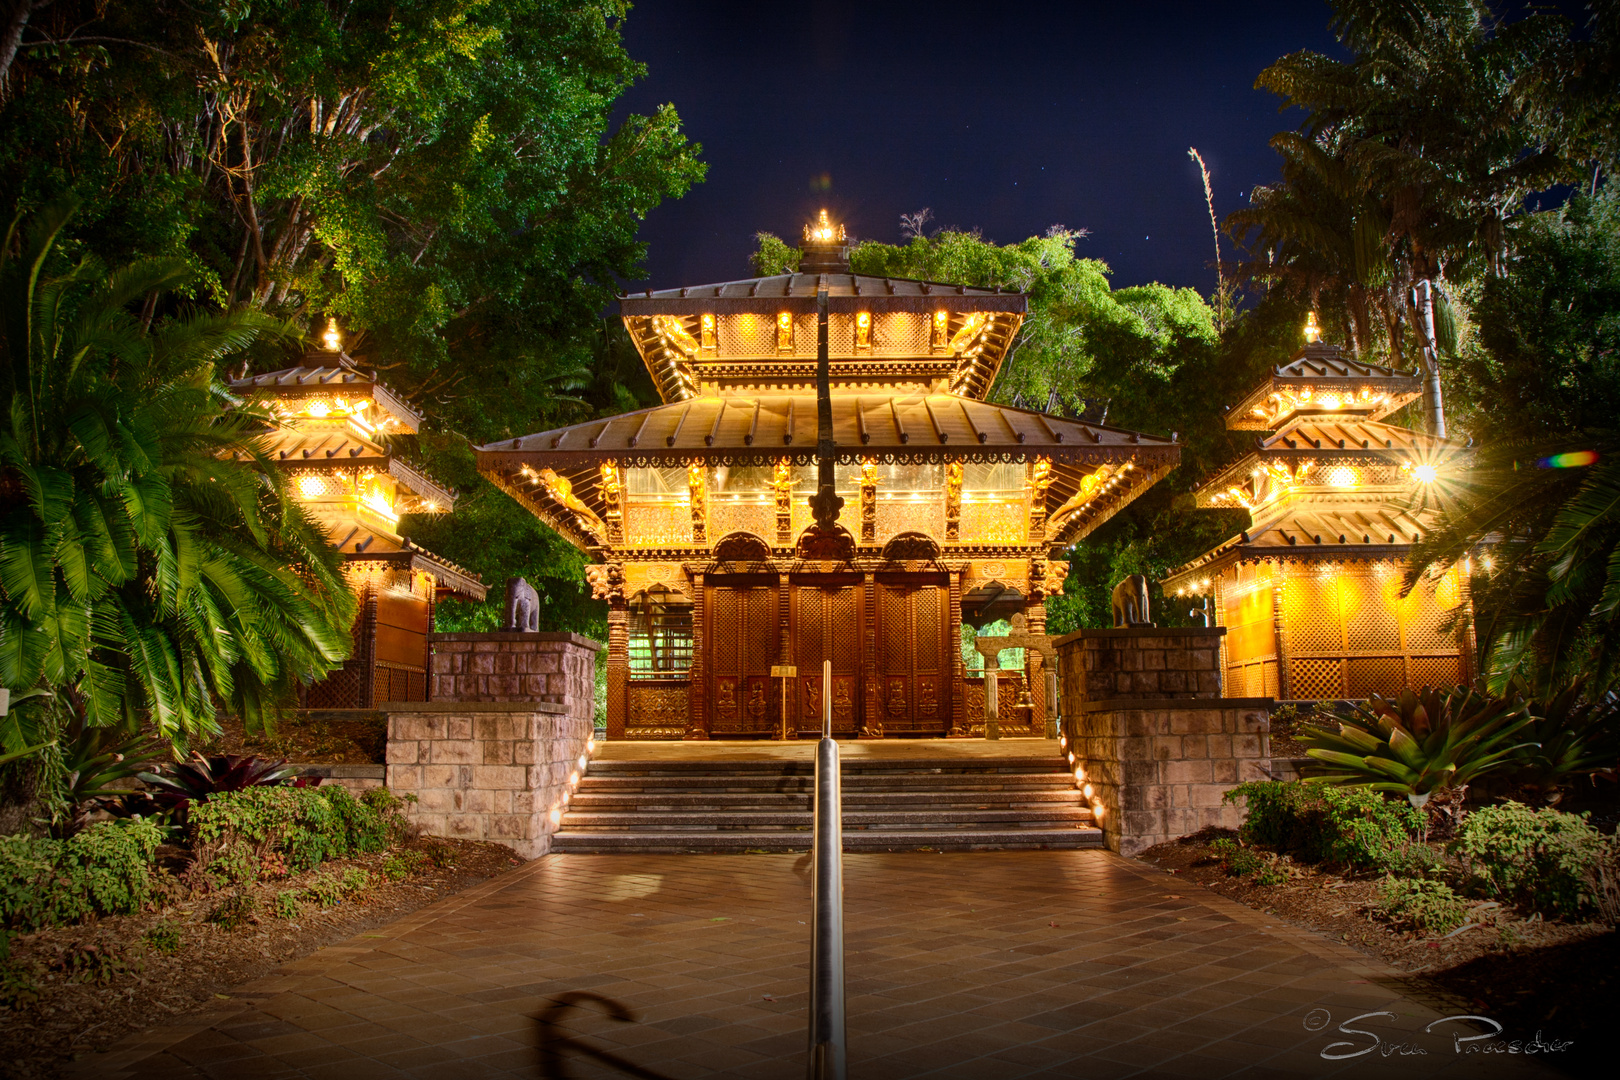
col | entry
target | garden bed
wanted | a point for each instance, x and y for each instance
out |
(327, 736)
(1524, 972)
(143, 985)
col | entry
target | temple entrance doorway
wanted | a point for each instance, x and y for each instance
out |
(743, 698)
(826, 624)
(914, 659)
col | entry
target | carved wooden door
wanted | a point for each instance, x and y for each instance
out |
(914, 662)
(742, 639)
(827, 625)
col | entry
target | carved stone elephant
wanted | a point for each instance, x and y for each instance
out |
(522, 607)
(1131, 602)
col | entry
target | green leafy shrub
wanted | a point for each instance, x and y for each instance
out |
(354, 879)
(1239, 861)
(442, 855)
(404, 864)
(1545, 860)
(288, 903)
(92, 961)
(163, 938)
(105, 869)
(267, 831)
(234, 909)
(324, 889)
(1356, 827)
(1418, 743)
(1422, 904)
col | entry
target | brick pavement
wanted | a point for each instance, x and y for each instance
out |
(955, 970)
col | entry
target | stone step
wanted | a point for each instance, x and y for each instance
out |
(588, 798)
(763, 819)
(673, 843)
(851, 766)
(906, 781)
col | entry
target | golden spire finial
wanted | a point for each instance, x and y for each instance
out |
(332, 339)
(1313, 333)
(824, 231)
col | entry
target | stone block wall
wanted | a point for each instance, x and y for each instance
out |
(1108, 665)
(511, 666)
(1159, 769)
(487, 770)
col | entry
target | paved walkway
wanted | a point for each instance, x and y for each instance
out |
(970, 966)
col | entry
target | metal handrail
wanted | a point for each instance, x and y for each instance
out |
(827, 1047)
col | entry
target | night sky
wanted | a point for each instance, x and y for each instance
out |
(1006, 117)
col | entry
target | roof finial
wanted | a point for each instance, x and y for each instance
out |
(1313, 332)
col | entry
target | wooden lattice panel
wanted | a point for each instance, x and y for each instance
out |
(900, 333)
(746, 335)
(1368, 675)
(1311, 614)
(1425, 617)
(1316, 680)
(994, 522)
(1436, 671)
(1250, 624)
(1371, 613)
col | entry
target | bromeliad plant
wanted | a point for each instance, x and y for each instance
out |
(1574, 735)
(1419, 744)
(187, 782)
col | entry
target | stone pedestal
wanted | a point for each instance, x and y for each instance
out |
(486, 770)
(1160, 769)
(514, 666)
(1143, 717)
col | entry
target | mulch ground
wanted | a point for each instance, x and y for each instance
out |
(331, 737)
(1528, 974)
(141, 988)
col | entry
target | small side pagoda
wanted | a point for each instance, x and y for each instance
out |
(334, 423)
(725, 595)
(1310, 591)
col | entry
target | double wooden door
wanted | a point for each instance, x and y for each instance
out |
(828, 623)
(741, 637)
(910, 685)
(914, 669)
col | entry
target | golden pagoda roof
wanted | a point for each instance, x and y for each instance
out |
(1321, 382)
(303, 384)
(1346, 439)
(665, 327)
(1314, 532)
(766, 428)
(365, 545)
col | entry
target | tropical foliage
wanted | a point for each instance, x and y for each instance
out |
(152, 565)
(1419, 743)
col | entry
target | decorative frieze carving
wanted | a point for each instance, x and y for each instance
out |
(953, 502)
(612, 493)
(697, 485)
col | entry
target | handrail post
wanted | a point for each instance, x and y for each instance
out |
(827, 1049)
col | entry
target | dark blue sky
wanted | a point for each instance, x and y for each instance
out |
(1006, 117)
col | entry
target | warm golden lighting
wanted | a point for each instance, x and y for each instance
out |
(823, 231)
(311, 487)
(1342, 476)
(1313, 332)
(1329, 401)
(784, 330)
(332, 339)
(706, 330)
(863, 329)
(937, 336)
(1425, 473)
(317, 407)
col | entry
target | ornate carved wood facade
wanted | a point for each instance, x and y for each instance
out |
(704, 500)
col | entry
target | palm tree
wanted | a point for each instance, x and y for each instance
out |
(1441, 116)
(153, 566)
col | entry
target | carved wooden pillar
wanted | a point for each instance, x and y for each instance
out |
(1039, 478)
(959, 724)
(1035, 664)
(1283, 681)
(782, 485)
(697, 488)
(784, 655)
(612, 488)
(869, 674)
(869, 483)
(697, 717)
(367, 653)
(953, 502)
(618, 673)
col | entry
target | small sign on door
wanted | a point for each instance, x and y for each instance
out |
(783, 671)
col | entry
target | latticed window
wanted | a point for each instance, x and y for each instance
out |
(660, 636)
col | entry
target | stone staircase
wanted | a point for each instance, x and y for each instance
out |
(1000, 803)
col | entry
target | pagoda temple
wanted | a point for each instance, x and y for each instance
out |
(334, 423)
(724, 594)
(1310, 591)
